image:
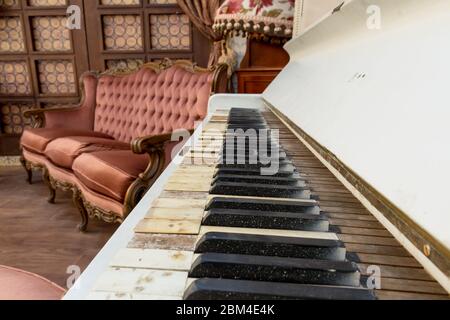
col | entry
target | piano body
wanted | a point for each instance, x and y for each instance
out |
(356, 209)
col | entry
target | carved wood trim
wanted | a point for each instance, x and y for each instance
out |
(99, 213)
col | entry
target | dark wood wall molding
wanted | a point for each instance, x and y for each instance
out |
(144, 17)
(435, 251)
(262, 62)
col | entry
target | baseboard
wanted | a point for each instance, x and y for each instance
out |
(9, 161)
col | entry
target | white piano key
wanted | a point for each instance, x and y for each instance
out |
(177, 203)
(143, 281)
(176, 213)
(153, 259)
(104, 295)
(168, 226)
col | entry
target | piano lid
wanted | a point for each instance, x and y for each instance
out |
(370, 84)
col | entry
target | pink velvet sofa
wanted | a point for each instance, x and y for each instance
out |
(111, 148)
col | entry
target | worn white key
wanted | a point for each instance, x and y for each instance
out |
(153, 259)
(177, 203)
(192, 186)
(168, 226)
(176, 213)
(103, 295)
(143, 281)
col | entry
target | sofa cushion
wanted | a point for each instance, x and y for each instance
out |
(16, 284)
(64, 151)
(110, 173)
(36, 140)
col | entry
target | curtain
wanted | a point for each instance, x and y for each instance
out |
(202, 13)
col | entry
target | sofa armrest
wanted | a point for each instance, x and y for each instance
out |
(154, 147)
(39, 117)
(150, 144)
(78, 117)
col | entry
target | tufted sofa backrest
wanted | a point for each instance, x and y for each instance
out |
(149, 102)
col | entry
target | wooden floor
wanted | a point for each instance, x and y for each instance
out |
(40, 237)
(367, 241)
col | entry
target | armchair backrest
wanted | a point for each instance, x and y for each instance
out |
(156, 99)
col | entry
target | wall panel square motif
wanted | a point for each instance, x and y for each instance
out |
(14, 78)
(124, 64)
(56, 77)
(51, 34)
(119, 2)
(47, 3)
(12, 119)
(122, 32)
(162, 1)
(9, 3)
(170, 32)
(11, 35)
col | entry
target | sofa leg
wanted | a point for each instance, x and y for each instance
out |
(78, 202)
(28, 170)
(52, 190)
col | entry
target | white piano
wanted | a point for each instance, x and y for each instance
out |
(366, 95)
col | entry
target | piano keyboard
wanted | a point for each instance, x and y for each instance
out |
(223, 230)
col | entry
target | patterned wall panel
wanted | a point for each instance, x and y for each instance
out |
(47, 3)
(50, 34)
(9, 3)
(14, 78)
(119, 2)
(130, 64)
(122, 32)
(162, 1)
(13, 121)
(56, 77)
(170, 32)
(11, 35)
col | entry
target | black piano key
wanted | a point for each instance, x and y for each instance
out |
(236, 148)
(251, 165)
(276, 269)
(284, 171)
(251, 119)
(237, 123)
(252, 155)
(260, 190)
(243, 150)
(263, 205)
(245, 115)
(245, 126)
(225, 289)
(233, 143)
(288, 181)
(276, 246)
(266, 220)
